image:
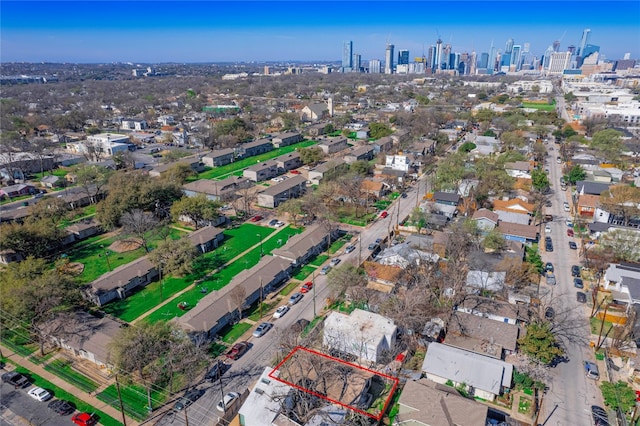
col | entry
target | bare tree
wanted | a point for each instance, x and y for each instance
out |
(141, 225)
(238, 297)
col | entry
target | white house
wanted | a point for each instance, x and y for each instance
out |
(363, 334)
(264, 402)
(484, 377)
(398, 162)
(106, 144)
(484, 280)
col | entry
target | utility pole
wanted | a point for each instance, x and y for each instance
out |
(124, 418)
(313, 281)
(261, 297)
(186, 419)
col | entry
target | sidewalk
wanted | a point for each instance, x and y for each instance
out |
(40, 371)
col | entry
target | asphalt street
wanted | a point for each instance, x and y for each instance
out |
(570, 393)
(264, 350)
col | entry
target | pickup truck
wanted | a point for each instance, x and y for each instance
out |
(15, 379)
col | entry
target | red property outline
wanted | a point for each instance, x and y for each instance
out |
(394, 380)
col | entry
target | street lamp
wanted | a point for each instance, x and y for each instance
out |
(106, 256)
(261, 251)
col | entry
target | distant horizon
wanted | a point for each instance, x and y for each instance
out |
(93, 32)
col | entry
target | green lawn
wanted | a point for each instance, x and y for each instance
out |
(319, 260)
(289, 288)
(61, 394)
(60, 172)
(233, 333)
(236, 241)
(134, 399)
(20, 343)
(234, 168)
(254, 314)
(91, 253)
(540, 106)
(304, 272)
(64, 370)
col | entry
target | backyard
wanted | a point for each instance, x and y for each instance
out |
(134, 399)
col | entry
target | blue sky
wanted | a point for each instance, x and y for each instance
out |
(216, 31)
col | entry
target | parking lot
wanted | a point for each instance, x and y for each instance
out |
(34, 412)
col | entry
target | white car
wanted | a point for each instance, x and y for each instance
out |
(566, 207)
(279, 313)
(39, 394)
(227, 401)
(279, 224)
(547, 228)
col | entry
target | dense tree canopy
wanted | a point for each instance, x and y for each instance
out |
(540, 343)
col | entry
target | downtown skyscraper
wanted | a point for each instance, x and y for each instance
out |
(388, 59)
(347, 56)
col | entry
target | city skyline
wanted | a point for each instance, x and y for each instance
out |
(248, 31)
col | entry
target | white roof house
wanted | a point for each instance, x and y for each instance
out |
(363, 334)
(486, 376)
(492, 281)
(264, 401)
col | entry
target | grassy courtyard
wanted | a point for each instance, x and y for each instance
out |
(134, 399)
(238, 166)
(239, 240)
(97, 259)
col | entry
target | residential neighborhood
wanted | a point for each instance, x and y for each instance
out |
(355, 254)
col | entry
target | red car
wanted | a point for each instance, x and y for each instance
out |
(237, 350)
(295, 172)
(306, 287)
(570, 232)
(384, 214)
(256, 218)
(84, 419)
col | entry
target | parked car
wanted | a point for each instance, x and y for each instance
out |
(39, 394)
(15, 379)
(569, 223)
(295, 298)
(551, 279)
(256, 218)
(575, 271)
(570, 232)
(349, 249)
(279, 224)
(591, 370)
(378, 240)
(262, 329)
(547, 228)
(573, 245)
(548, 247)
(558, 160)
(334, 261)
(279, 313)
(237, 350)
(548, 267)
(549, 313)
(61, 407)
(227, 401)
(84, 419)
(189, 398)
(306, 287)
(581, 297)
(566, 207)
(384, 214)
(599, 415)
(372, 246)
(404, 195)
(273, 222)
(578, 283)
(215, 372)
(295, 172)
(325, 269)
